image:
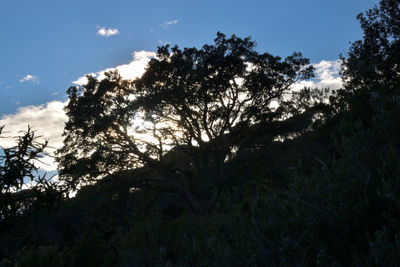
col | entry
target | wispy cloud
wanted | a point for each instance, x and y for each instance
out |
(107, 32)
(29, 78)
(166, 24)
(171, 22)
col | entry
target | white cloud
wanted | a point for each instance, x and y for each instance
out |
(171, 22)
(83, 80)
(29, 78)
(326, 76)
(47, 120)
(129, 71)
(107, 32)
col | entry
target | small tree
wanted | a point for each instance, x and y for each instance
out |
(17, 168)
(192, 107)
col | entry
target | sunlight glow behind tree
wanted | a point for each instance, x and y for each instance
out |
(198, 104)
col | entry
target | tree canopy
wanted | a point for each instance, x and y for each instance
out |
(201, 103)
(374, 60)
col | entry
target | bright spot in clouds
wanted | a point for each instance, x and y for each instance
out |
(107, 32)
(29, 78)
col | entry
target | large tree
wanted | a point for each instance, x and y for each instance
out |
(184, 119)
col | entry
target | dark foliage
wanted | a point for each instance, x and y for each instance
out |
(200, 105)
(311, 183)
(374, 61)
(18, 167)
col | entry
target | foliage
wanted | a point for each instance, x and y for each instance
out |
(374, 60)
(311, 183)
(200, 105)
(17, 167)
(330, 204)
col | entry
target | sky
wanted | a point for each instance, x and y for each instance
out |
(47, 46)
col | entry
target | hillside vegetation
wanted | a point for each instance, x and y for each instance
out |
(210, 159)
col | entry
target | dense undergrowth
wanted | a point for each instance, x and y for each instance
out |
(329, 197)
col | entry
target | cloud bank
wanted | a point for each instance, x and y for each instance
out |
(326, 76)
(107, 32)
(48, 122)
(48, 119)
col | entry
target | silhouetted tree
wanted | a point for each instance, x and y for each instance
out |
(17, 169)
(374, 61)
(204, 103)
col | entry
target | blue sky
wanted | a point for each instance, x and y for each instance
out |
(55, 42)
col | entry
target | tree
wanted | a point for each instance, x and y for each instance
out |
(184, 119)
(374, 61)
(17, 168)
